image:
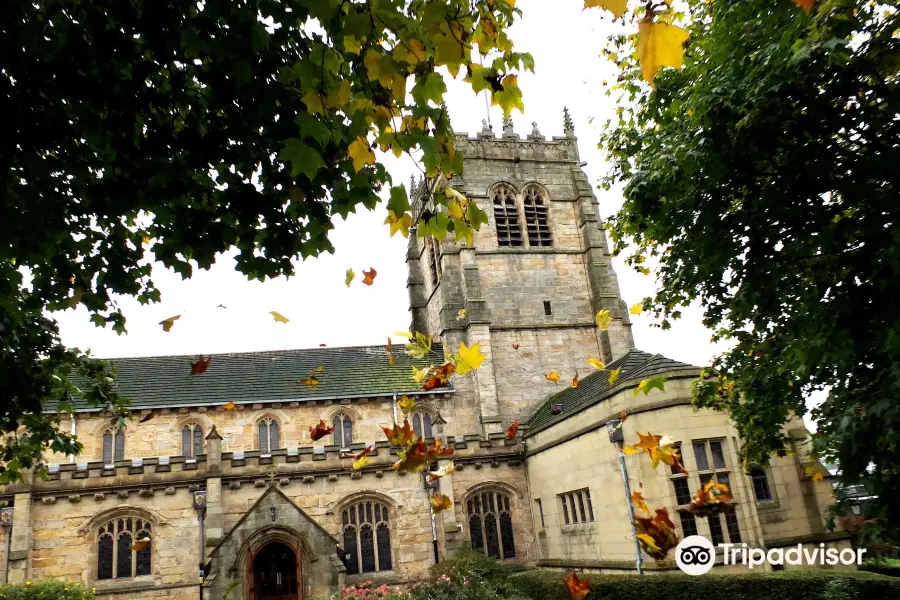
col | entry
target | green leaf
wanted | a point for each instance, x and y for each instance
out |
(399, 202)
(303, 159)
(430, 87)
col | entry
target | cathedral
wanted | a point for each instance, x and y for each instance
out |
(215, 489)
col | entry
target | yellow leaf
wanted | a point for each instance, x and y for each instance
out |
(509, 97)
(596, 363)
(575, 381)
(361, 462)
(461, 314)
(552, 376)
(420, 374)
(229, 406)
(279, 317)
(440, 502)
(659, 45)
(616, 7)
(406, 334)
(819, 476)
(410, 51)
(603, 319)
(310, 382)
(146, 239)
(361, 154)
(339, 97)
(470, 359)
(313, 101)
(406, 404)
(401, 224)
(629, 450)
(167, 323)
(352, 45)
(637, 308)
(613, 376)
(348, 279)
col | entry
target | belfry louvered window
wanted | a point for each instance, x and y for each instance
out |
(367, 538)
(509, 232)
(536, 218)
(490, 524)
(434, 259)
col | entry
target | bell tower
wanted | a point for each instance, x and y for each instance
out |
(535, 277)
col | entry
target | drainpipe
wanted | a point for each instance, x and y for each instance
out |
(6, 517)
(614, 428)
(72, 456)
(395, 407)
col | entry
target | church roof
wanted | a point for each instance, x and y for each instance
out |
(635, 366)
(273, 376)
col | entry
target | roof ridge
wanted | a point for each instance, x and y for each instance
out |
(247, 352)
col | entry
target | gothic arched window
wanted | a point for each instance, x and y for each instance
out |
(343, 430)
(268, 435)
(124, 548)
(192, 440)
(490, 524)
(421, 423)
(536, 218)
(509, 232)
(113, 445)
(367, 537)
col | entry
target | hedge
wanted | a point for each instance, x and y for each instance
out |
(889, 566)
(45, 590)
(784, 585)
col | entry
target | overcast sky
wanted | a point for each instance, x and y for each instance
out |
(566, 44)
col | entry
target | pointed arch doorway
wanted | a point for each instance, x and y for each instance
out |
(276, 573)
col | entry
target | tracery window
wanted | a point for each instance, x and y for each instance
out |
(367, 537)
(421, 423)
(268, 435)
(124, 548)
(490, 524)
(509, 232)
(536, 218)
(113, 445)
(192, 440)
(343, 430)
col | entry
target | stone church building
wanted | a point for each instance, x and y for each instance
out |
(269, 514)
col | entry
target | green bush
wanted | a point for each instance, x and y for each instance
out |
(785, 585)
(888, 566)
(46, 590)
(468, 575)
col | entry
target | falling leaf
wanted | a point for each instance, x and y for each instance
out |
(805, 4)
(469, 359)
(145, 239)
(439, 377)
(147, 417)
(200, 367)
(167, 324)
(392, 360)
(420, 374)
(656, 535)
(596, 363)
(319, 431)
(461, 314)
(815, 473)
(515, 346)
(229, 406)
(660, 449)
(369, 276)
(400, 436)
(603, 319)
(637, 308)
(406, 404)
(349, 277)
(659, 45)
(513, 429)
(616, 7)
(419, 344)
(552, 376)
(613, 376)
(361, 154)
(417, 455)
(318, 369)
(279, 318)
(711, 499)
(646, 385)
(447, 469)
(362, 459)
(578, 588)
(401, 223)
(221, 306)
(310, 381)
(637, 498)
(440, 502)
(140, 544)
(819, 476)
(575, 380)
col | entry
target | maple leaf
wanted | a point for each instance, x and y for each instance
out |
(420, 374)
(596, 363)
(279, 318)
(400, 436)
(140, 544)
(229, 406)
(362, 459)
(361, 154)
(805, 4)
(447, 469)
(711, 499)
(417, 456)
(419, 344)
(167, 323)
(613, 376)
(515, 346)
(310, 381)
(461, 314)
(578, 588)
(406, 404)
(439, 377)
(552, 376)
(646, 385)
(659, 45)
(147, 417)
(637, 308)
(575, 380)
(348, 278)
(200, 367)
(469, 359)
(656, 535)
(319, 431)
(369, 276)
(401, 223)
(603, 319)
(513, 429)
(637, 498)
(660, 449)
(440, 502)
(616, 7)
(392, 360)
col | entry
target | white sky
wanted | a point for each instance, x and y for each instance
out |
(565, 42)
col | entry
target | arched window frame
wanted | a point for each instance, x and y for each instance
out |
(536, 208)
(366, 522)
(268, 434)
(116, 556)
(343, 429)
(192, 440)
(112, 445)
(421, 423)
(507, 223)
(489, 514)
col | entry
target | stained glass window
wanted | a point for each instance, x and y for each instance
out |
(121, 551)
(490, 524)
(367, 537)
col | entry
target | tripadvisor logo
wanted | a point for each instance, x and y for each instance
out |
(696, 555)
